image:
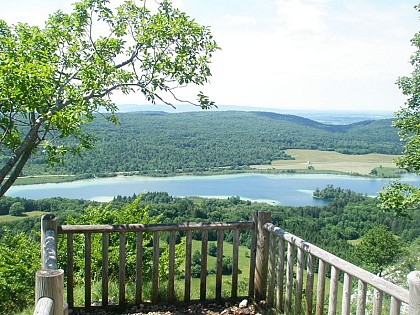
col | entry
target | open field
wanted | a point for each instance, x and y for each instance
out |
(42, 179)
(332, 161)
(9, 218)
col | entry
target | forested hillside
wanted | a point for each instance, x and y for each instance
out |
(158, 143)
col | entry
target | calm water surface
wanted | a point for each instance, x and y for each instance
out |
(282, 189)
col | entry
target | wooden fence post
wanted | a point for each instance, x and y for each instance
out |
(49, 281)
(414, 293)
(49, 241)
(261, 264)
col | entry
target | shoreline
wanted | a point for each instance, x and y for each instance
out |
(51, 179)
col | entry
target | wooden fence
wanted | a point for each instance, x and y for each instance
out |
(156, 229)
(285, 259)
(271, 276)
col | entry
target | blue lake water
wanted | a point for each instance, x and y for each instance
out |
(282, 189)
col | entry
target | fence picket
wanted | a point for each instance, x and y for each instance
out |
(171, 272)
(105, 280)
(345, 303)
(70, 276)
(361, 297)
(121, 271)
(271, 271)
(299, 281)
(235, 258)
(203, 274)
(395, 306)
(280, 275)
(253, 254)
(187, 287)
(155, 268)
(88, 273)
(309, 289)
(289, 278)
(139, 267)
(332, 303)
(219, 261)
(377, 302)
(320, 288)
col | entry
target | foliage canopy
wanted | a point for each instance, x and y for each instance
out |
(379, 248)
(403, 198)
(53, 79)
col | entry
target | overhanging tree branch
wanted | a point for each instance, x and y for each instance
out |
(65, 74)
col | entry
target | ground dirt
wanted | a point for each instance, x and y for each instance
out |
(226, 308)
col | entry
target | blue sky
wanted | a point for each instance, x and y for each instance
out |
(291, 54)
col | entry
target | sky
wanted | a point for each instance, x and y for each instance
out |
(290, 54)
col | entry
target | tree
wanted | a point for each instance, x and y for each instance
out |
(16, 209)
(212, 250)
(399, 197)
(196, 264)
(379, 248)
(54, 79)
(19, 261)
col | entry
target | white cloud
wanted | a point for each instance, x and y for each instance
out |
(295, 53)
(301, 15)
(239, 20)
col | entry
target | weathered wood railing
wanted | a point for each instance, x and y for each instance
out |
(139, 229)
(277, 267)
(271, 276)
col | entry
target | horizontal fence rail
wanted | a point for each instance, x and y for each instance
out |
(105, 231)
(44, 306)
(286, 291)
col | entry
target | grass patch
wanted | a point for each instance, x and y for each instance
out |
(43, 179)
(243, 276)
(355, 242)
(387, 171)
(334, 161)
(9, 218)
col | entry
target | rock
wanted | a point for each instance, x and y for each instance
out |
(243, 304)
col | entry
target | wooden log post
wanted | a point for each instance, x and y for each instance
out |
(50, 284)
(49, 241)
(414, 293)
(261, 265)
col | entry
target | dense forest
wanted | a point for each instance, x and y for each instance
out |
(158, 143)
(347, 216)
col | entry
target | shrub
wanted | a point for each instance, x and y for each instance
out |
(16, 209)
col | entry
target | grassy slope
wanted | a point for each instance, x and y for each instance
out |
(9, 218)
(332, 161)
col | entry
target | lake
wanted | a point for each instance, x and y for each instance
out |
(279, 189)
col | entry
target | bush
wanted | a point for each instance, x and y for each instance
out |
(16, 209)
(227, 265)
(19, 261)
(212, 250)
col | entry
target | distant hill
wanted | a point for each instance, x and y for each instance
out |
(330, 117)
(159, 143)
